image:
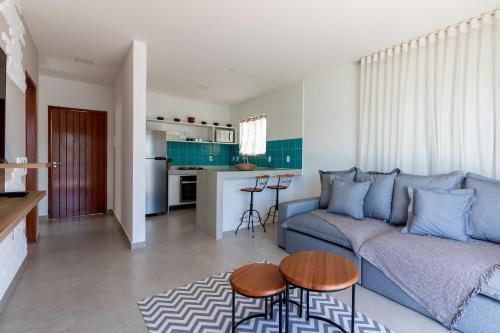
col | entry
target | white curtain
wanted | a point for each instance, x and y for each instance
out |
(433, 105)
(253, 136)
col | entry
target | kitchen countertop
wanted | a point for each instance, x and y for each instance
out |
(235, 173)
(177, 172)
(231, 172)
(220, 201)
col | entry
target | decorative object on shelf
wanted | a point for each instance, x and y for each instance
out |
(14, 40)
(216, 124)
(191, 120)
(160, 118)
(17, 194)
(203, 122)
(177, 120)
(229, 125)
(15, 182)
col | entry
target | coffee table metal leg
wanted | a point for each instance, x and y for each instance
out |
(280, 315)
(266, 311)
(272, 308)
(301, 302)
(353, 304)
(233, 322)
(287, 308)
(307, 301)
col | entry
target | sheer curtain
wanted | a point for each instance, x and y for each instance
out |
(433, 105)
(253, 136)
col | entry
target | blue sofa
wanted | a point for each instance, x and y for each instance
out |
(300, 230)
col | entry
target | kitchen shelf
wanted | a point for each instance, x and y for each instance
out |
(208, 137)
(215, 143)
(27, 165)
(171, 122)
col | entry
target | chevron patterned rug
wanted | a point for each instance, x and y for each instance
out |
(205, 307)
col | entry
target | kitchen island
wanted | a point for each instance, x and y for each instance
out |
(220, 203)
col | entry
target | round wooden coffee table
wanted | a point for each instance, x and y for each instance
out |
(258, 281)
(318, 272)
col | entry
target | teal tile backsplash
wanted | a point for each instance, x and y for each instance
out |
(193, 153)
(190, 153)
(278, 150)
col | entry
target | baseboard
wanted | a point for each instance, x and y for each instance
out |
(132, 246)
(136, 246)
(12, 286)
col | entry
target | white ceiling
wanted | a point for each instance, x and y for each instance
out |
(226, 51)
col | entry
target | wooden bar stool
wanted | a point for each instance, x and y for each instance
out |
(248, 215)
(284, 181)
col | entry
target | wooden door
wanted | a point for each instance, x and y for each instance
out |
(31, 154)
(77, 140)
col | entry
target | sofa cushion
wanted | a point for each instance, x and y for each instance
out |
(401, 200)
(439, 213)
(326, 178)
(484, 220)
(315, 226)
(347, 198)
(378, 201)
(492, 289)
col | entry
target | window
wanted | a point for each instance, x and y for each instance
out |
(253, 136)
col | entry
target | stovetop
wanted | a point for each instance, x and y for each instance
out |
(190, 168)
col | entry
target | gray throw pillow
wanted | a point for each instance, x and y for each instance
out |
(347, 198)
(400, 199)
(484, 223)
(378, 201)
(439, 213)
(326, 178)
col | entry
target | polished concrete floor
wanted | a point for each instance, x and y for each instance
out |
(82, 277)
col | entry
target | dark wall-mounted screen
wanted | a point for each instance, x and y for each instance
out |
(3, 93)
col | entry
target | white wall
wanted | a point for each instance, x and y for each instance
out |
(59, 92)
(284, 108)
(129, 141)
(171, 107)
(330, 126)
(15, 116)
(14, 247)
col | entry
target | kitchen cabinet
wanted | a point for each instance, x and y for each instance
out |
(174, 190)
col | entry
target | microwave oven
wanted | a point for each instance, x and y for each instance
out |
(224, 136)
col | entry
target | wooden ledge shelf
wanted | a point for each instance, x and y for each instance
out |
(26, 165)
(13, 210)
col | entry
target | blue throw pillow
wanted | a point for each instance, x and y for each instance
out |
(378, 201)
(400, 199)
(347, 198)
(326, 178)
(439, 213)
(484, 223)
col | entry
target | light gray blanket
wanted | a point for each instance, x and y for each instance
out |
(441, 275)
(356, 231)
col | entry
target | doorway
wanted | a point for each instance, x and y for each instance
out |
(77, 140)
(31, 154)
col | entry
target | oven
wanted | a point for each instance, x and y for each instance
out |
(188, 189)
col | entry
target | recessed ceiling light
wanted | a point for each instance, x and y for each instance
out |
(201, 86)
(84, 61)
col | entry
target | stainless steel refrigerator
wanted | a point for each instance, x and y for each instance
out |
(156, 173)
